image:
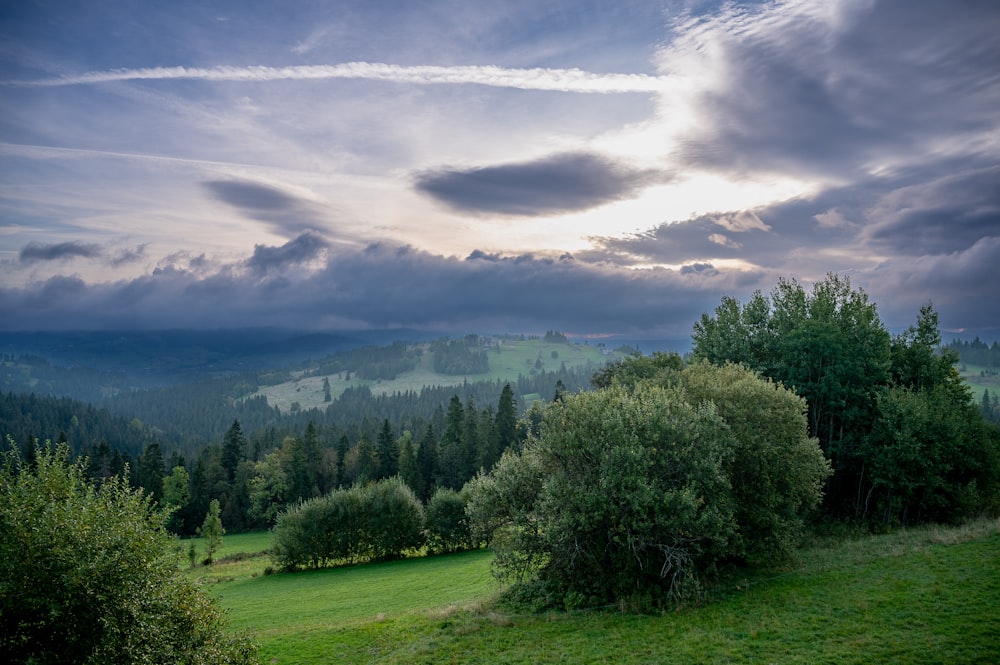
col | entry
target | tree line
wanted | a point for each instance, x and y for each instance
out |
(891, 412)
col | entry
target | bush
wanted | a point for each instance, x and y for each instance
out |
(636, 493)
(381, 521)
(447, 522)
(90, 575)
(394, 518)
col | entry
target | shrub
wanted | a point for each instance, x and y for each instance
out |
(381, 521)
(90, 575)
(447, 522)
(636, 492)
(394, 518)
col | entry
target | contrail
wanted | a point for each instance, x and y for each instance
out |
(561, 80)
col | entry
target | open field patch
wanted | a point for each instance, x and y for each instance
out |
(929, 595)
(508, 358)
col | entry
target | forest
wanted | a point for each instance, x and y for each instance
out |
(904, 438)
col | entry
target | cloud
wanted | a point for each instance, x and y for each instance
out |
(559, 183)
(382, 286)
(838, 89)
(284, 212)
(126, 256)
(305, 247)
(941, 215)
(561, 80)
(35, 251)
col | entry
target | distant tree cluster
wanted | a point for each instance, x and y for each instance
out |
(977, 352)
(371, 362)
(460, 356)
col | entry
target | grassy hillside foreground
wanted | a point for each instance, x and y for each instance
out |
(927, 595)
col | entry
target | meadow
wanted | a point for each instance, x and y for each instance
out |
(507, 361)
(926, 595)
(980, 379)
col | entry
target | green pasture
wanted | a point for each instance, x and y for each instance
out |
(929, 595)
(507, 361)
(974, 376)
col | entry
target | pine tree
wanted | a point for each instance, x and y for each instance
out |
(451, 453)
(427, 462)
(233, 450)
(408, 470)
(343, 447)
(367, 461)
(151, 471)
(387, 451)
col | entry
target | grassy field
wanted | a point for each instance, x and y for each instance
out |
(974, 376)
(928, 595)
(507, 361)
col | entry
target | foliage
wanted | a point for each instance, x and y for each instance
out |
(211, 530)
(88, 574)
(460, 356)
(447, 522)
(892, 414)
(642, 487)
(381, 520)
(776, 472)
(394, 519)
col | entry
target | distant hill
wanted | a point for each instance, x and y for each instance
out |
(506, 358)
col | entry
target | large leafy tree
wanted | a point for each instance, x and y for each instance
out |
(828, 345)
(88, 574)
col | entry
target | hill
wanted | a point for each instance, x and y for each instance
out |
(507, 357)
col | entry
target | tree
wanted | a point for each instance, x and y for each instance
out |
(427, 461)
(268, 489)
(94, 566)
(151, 471)
(394, 518)
(452, 453)
(408, 470)
(343, 447)
(367, 461)
(211, 530)
(448, 527)
(233, 449)
(504, 428)
(176, 495)
(829, 346)
(387, 451)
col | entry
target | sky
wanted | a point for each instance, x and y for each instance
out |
(592, 167)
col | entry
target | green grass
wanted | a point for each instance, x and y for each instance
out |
(515, 357)
(928, 595)
(973, 375)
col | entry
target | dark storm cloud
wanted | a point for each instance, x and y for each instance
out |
(839, 88)
(35, 251)
(296, 251)
(285, 213)
(387, 285)
(555, 184)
